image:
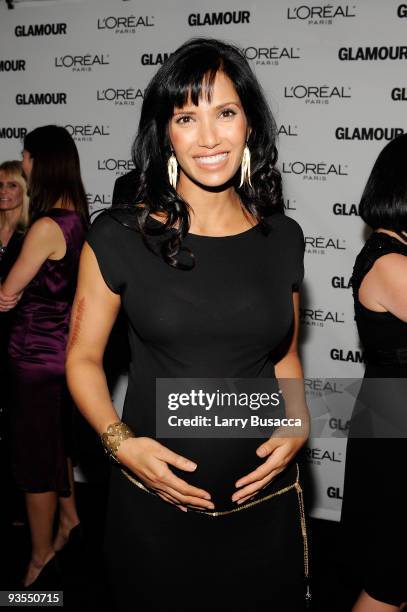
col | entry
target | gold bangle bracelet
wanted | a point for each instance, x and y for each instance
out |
(114, 436)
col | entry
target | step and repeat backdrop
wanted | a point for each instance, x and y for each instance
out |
(335, 76)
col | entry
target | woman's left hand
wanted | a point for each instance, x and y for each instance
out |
(8, 302)
(279, 453)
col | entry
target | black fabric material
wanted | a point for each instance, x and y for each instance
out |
(227, 317)
(124, 189)
(373, 512)
(7, 260)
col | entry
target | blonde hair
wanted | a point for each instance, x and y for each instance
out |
(13, 169)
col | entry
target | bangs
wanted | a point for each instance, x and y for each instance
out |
(13, 172)
(193, 81)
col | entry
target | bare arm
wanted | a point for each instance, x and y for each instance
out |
(385, 286)
(290, 366)
(94, 312)
(41, 242)
(291, 379)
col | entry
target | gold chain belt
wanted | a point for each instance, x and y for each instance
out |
(296, 485)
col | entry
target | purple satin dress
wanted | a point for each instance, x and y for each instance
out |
(42, 407)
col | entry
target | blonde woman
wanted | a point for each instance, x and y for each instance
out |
(13, 213)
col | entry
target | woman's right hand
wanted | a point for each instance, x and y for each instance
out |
(149, 461)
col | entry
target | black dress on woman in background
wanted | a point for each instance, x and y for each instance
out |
(374, 510)
(8, 256)
(224, 318)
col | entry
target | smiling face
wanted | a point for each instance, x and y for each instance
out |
(208, 139)
(11, 192)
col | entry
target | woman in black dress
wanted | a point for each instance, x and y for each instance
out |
(207, 269)
(374, 510)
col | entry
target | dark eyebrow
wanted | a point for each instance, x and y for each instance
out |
(235, 102)
(218, 107)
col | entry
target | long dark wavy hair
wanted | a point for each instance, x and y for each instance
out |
(384, 199)
(56, 172)
(189, 74)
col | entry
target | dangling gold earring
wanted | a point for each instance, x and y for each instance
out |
(172, 168)
(245, 167)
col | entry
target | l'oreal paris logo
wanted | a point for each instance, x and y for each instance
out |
(314, 170)
(321, 14)
(318, 245)
(317, 94)
(82, 63)
(115, 165)
(120, 97)
(270, 56)
(126, 24)
(318, 317)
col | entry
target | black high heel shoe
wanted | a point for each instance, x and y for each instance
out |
(76, 536)
(50, 577)
(74, 542)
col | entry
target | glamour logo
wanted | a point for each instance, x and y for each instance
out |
(82, 63)
(334, 492)
(212, 19)
(319, 317)
(338, 354)
(339, 282)
(119, 166)
(120, 97)
(13, 132)
(402, 11)
(318, 245)
(367, 54)
(41, 29)
(98, 199)
(125, 25)
(87, 132)
(320, 14)
(317, 94)
(290, 204)
(367, 133)
(15, 65)
(399, 94)
(270, 56)
(347, 210)
(45, 98)
(338, 424)
(318, 171)
(318, 455)
(154, 59)
(286, 129)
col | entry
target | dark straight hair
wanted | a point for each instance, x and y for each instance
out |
(384, 199)
(56, 173)
(189, 74)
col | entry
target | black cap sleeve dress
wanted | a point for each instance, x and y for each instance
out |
(229, 316)
(374, 509)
